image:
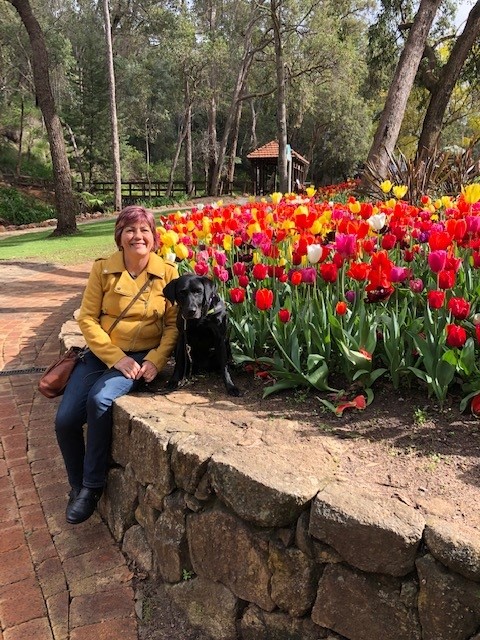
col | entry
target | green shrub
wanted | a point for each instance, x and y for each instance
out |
(16, 208)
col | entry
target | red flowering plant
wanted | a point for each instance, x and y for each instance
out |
(315, 286)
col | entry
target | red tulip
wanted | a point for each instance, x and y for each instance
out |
(435, 299)
(446, 279)
(456, 336)
(263, 299)
(341, 308)
(296, 278)
(237, 295)
(459, 307)
(284, 315)
(243, 281)
(329, 271)
(260, 271)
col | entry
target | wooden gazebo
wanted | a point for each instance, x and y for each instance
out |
(264, 162)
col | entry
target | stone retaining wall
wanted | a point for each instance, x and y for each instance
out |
(256, 542)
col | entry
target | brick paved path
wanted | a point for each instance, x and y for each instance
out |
(57, 581)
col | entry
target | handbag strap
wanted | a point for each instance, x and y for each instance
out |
(132, 301)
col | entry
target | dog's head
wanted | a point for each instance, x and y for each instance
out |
(192, 293)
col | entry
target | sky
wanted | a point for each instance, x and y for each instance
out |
(463, 10)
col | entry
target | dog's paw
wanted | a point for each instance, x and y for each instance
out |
(234, 391)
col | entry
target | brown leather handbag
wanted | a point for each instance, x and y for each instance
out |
(53, 382)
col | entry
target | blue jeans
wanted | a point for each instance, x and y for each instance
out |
(88, 398)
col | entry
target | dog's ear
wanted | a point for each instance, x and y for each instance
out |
(209, 288)
(170, 291)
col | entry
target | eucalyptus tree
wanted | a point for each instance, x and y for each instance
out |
(386, 135)
(117, 173)
(64, 199)
(444, 85)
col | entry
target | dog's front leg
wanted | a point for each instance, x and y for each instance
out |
(179, 371)
(223, 352)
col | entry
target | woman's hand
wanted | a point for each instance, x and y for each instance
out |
(131, 369)
(128, 367)
(148, 370)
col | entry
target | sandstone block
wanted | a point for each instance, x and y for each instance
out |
(366, 607)
(372, 535)
(257, 624)
(448, 604)
(266, 486)
(190, 455)
(136, 548)
(149, 456)
(294, 580)
(207, 605)
(456, 546)
(224, 549)
(170, 539)
(119, 500)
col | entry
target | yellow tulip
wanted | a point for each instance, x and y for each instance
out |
(190, 226)
(181, 251)
(311, 191)
(446, 201)
(471, 193)
(276, 197)
(354, 206)
(301, 210)
(316, 227)
(386, 186)
(391, 203)
(399, 191)
(253, 228)
(206, 225)
(227, 243)
(437, 204)
(169, 239)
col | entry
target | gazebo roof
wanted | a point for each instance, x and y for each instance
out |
(270, 150)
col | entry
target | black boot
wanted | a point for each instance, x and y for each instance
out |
(72, 496)
(83, 506)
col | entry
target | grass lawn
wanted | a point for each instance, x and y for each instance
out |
(94, 240)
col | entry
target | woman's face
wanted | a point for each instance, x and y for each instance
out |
(137, 239)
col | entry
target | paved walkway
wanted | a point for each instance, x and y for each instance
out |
(57, 581)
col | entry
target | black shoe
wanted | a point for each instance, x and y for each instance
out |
(72, 496)
(83, 506)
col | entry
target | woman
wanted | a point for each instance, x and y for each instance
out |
(137, 348)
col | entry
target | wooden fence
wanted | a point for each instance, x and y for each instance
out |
(135, 190)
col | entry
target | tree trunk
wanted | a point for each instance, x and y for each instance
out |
(242, 74)
(440, 96)
(281, 97)
(64, 200)
(388, 129)
(78, 160)
(180, 138)
(233, 147)
(117, 173)
(20, 139)
(188, 142)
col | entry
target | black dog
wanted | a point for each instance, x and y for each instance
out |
(202, 324)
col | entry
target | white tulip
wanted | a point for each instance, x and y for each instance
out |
(377, 221)
(314, 253)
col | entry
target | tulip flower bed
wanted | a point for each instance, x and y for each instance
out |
(320, 291)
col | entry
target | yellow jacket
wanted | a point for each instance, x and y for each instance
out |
(150, 324)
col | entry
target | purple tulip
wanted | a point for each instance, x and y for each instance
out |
(416, 285)
(350, 296)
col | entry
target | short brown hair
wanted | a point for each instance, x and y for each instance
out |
(132, 214)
